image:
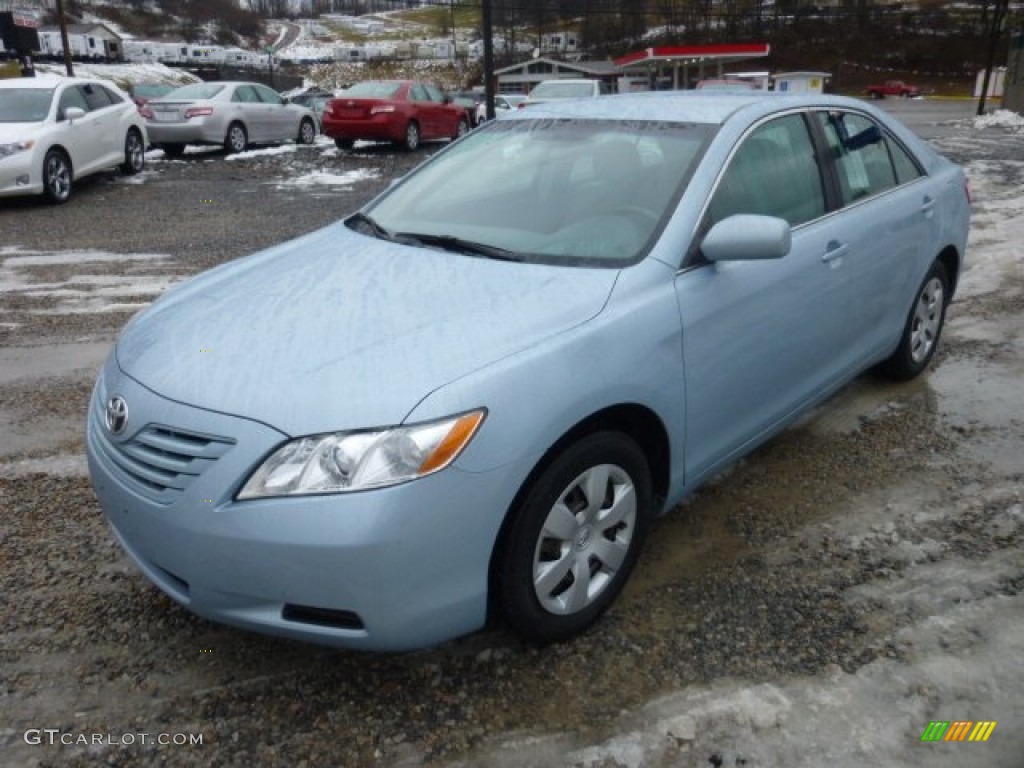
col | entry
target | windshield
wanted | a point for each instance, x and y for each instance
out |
(25, 105)
(557, 90)
(195, 91)
(374, 89)
(567, 191)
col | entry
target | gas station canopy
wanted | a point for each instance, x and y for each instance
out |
(675, 57)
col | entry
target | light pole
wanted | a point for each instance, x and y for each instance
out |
(63, 22)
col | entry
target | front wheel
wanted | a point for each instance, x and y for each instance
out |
(236, 139)
(56, 177)
(922, 329)
(134, 153)
(575, 537)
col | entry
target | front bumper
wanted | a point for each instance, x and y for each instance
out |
(389, 569)
(21, 174)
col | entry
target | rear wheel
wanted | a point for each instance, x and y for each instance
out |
(307, 132)
(56, 176)
(412, 136)
(575, 537)
(134, 153)
(922, 329)
(462, 129)
(236, 139)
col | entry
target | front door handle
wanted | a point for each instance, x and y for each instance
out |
(834, 250)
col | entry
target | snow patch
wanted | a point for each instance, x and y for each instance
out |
(326, 179)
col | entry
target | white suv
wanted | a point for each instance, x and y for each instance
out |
(567, 88)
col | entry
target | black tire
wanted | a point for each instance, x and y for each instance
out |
(173, 150)
(134, 153)
(922, 329)
(548, 604)
(307, 132)
(412, 136)
(236, 139)
(57, 177)
(461, 129)
(344, 143)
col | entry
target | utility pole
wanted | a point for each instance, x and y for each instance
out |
(63, 22)
(995, 32)
(488, 58)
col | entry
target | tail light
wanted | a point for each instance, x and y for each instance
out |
(147, 113)
(198, 112)
(967, 190)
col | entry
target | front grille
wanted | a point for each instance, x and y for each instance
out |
(160, 462)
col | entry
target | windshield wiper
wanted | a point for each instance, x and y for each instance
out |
(367, 225)
(457, 244)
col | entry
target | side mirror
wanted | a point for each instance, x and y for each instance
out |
(747, 237)
(73, 113)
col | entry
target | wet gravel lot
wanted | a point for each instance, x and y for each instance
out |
(785, 568)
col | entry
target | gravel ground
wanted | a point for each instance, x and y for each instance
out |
(791, 572)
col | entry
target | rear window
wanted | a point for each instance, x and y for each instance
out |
(196, 91)
(374, 89)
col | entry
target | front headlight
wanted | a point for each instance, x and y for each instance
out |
(14, 147)
(354, 461)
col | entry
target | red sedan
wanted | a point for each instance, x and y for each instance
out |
(405, 112)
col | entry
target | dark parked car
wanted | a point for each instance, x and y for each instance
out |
(404, 112)
(313, 100)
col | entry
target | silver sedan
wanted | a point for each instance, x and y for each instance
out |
(231, 114)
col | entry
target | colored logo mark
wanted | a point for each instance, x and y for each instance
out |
(958, 730)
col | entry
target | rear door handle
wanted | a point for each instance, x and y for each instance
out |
(927, 205)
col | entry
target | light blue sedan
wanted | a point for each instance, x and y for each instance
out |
(470, 400)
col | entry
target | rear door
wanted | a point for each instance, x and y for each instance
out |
(886, 198)
(253, 112)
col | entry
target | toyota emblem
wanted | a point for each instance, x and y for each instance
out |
(116, 415)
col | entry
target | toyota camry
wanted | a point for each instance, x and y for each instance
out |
(471, 399)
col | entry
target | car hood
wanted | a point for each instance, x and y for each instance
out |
(18, 131)
(338, 330)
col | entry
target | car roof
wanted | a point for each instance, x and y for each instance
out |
(45, 81)
(713, 107)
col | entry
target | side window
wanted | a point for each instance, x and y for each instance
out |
(246, 95)
(434, 93)
(418, 93)
(906, 168)
(267, 95)
(95, 96)
(72, 97)
(861, 154)
(115, 98)
(774, 172)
